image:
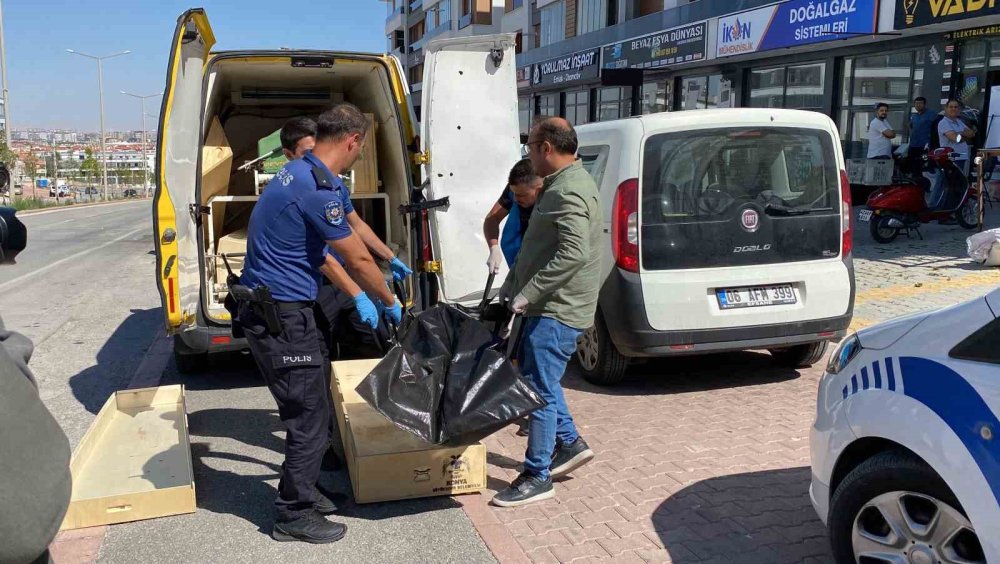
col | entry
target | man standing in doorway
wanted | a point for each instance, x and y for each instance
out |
(949, 131)
(880, 134)
(554, 284)
(921, 120)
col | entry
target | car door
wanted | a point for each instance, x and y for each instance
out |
(470, 129)
(178, 148)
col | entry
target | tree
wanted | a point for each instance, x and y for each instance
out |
(90, 167)
(7, 156)
(31, 166)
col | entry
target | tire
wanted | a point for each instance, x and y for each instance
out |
(880, 230)
(968, 215)
(190, 363)
(899, 482)
(599, 360)
(800, 356)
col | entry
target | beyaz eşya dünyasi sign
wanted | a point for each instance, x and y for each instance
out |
(794, 23)
(673, 46)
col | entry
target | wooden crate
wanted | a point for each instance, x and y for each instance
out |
(134, 462)
(387, 463)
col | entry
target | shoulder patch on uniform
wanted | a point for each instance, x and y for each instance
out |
(334, 211)
(284, 177)
(322, 180)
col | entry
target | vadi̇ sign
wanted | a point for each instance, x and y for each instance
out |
(793, 23)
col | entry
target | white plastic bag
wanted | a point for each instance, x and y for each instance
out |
(984, 247)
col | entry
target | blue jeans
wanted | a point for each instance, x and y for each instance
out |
(546, 347)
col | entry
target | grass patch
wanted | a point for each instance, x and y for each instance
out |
(22, 204)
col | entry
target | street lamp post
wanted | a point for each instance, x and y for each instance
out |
(100, 86)
(6, 89)
(145, 161)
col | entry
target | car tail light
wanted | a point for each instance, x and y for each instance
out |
(625, 226)
(221, 340)
(845, 215)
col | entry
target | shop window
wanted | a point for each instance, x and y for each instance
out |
(553, 23)
(592, 15)
(797, 87)
(416, 74)
(547, 105)
(657, 97)
(614, 103)
(767, 88)
(524, 114)
(972, 65)
(578, 107)
(720, 92)
(694, 93)
(518, 43)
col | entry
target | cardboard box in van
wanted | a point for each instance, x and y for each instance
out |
(387, 463)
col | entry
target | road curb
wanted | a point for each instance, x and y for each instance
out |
(493, 532)
(54, 209)
(83, 546)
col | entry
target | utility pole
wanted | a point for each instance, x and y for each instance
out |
(6, 89)
(145, 161)
(100, 86)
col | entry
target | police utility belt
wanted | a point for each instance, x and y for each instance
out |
(261, 301)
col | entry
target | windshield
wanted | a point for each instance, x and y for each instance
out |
(702, 175)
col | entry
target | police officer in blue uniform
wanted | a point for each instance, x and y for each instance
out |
(303, 210)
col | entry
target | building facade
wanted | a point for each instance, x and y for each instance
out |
(595, 60)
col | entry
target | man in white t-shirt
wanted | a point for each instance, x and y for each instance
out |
(948, 131)
(880, 134)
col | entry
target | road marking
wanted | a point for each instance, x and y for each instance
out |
(74, 256)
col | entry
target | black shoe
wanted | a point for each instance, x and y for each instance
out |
(523, 490)
(569, 457)
(523, 426)
(311, 528)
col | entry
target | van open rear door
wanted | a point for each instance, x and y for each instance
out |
(470, 129)
(178, 148)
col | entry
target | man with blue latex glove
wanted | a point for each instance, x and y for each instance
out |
(366, 310)
(399, 269)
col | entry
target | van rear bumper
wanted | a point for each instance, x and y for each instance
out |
(623, 311)
(200, 340)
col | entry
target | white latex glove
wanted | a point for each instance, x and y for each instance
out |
(519, 304)
(496, 259)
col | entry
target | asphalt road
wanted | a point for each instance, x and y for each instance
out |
(84, 292)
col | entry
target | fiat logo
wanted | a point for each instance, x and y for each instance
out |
(750, 220)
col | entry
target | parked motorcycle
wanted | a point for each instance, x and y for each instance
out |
(902, 206)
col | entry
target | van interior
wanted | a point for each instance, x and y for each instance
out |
(248, 99)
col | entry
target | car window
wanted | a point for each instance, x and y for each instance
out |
(594, 159)
(981, 346)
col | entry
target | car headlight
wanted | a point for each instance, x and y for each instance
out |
(844, 354)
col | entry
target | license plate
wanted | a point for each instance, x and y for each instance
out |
(865, 215)
(758, 296)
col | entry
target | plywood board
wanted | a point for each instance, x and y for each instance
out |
(134, 462)
(216, 167)
(387, 463)
(365, 177)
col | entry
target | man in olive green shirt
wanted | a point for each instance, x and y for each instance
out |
(554, 284)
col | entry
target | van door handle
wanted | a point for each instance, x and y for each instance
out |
(168, 236)
(170, 265)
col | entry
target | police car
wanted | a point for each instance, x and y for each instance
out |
(906, 444)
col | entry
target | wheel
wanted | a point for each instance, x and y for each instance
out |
(190, 363)
(800, 356)
(895, 508)
(601, 362)
(968, 214)
(881, 231)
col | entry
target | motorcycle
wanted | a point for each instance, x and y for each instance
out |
(902, 206)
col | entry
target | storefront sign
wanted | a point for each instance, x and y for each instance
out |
(674, 46)
(973, 33)
(794, 23)
(578, 67)
(524, 77)
(914, 13)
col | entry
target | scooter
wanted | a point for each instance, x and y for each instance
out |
(902, 207)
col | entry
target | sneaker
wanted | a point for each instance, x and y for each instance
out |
(523, 490)
(311, 528)
(569, 457)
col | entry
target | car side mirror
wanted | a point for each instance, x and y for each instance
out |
(13, 235)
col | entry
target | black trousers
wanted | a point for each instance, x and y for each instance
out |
(349, 337)
(296, 367)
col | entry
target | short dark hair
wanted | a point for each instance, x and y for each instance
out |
(340, 121)
(956, 100)
(881, 105)
(294, 130)
(920, 99)
(559, 133)
(521, 173)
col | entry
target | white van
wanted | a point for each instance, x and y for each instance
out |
(219, 109)
(727, 230)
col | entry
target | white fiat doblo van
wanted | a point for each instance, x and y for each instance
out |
(727, 230)
(217, 123)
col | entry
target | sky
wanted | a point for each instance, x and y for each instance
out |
(50, 88)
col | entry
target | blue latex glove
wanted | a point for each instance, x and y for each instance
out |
(395, 312)
(366, 310)
(399, 269)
